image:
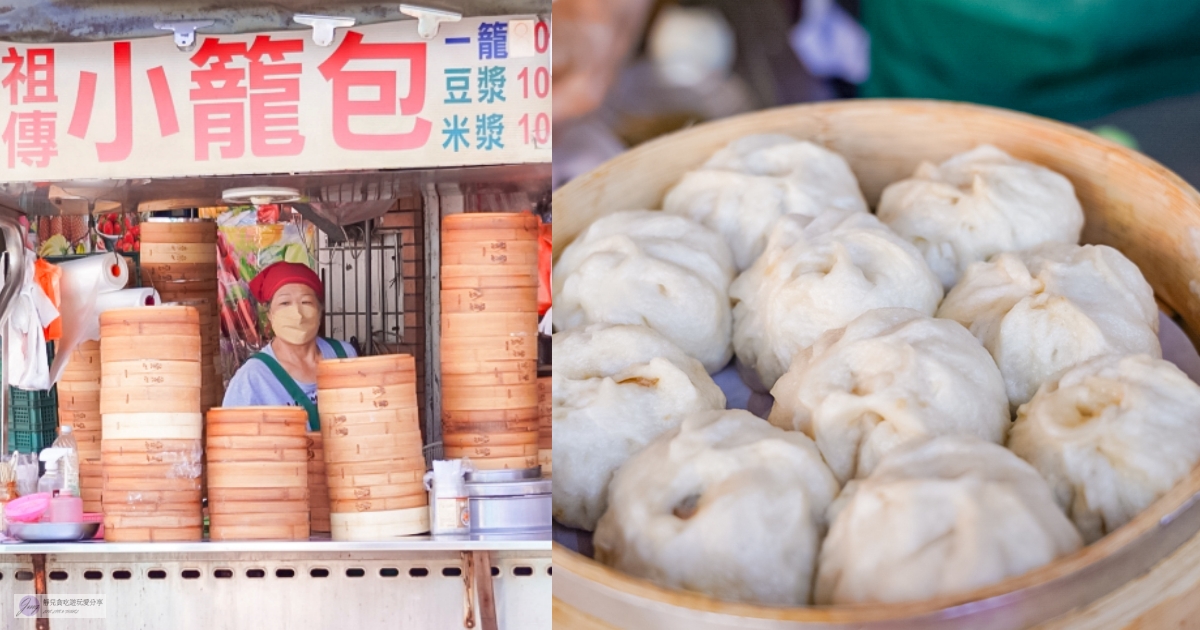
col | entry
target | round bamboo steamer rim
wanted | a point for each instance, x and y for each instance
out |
(369, 379)
(76, 400)
(259, 495)
(149, 367)
(151, 419)
(116, 428)
(250, 429)
(489, 271)
(175, 380)
(179, 253)
(378, 505)
(489, 220)
(463, 352)
(151, 497)
(140, 329)
(377, 416)
(207, 285)
(488, 324)
(498, 379)
(341, 404)
(220, 455)
(505, 340)
(338, 443)
(133, 520)
(482, 255)
(377, 526)
(163, 348)
(522, 391)
(256, 442)
(258, 474)
(371, 430)
(488, 234)
(514, 426)
(152, 534)
(226, 533)
(521, 416)
(366, 454)
(514, 366)
(184, 460)
(163, 509)
(176, 231)
(124, 396)
(350, 493)
(492, 451)
(490, 282)
(292, 420)
(157, 274)
(150, 485)
(488, 439)
(407, 478)
(451, 403)
(159, 314)
(489, 247)
(80, 416)
(149, 470)
(79, 386)
(398, 470)
(504, 463)
(153, 446)
(381, 363)
(459, 301)
(260, 519)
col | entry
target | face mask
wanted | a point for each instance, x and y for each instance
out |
(296, 324)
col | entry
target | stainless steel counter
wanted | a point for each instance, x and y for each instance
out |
(316, 544)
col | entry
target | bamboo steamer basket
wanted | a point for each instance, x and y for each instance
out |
(493, 451)
(153, 426)
(527, 367)
(371, 526)
(546, 461)
(259, 495)
(1130, 202)
(377, 416)
(176, 253)
(343, 506)
(521, 417)
(259, 532)
(344, 493)
(357, 476)
(503, 438)
(487, 235)
(503, 300)
(178, 231)
(489, 428)
(493, 379)
(185, 534)
(505, 463)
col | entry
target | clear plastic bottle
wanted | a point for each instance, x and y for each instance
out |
(69, 466)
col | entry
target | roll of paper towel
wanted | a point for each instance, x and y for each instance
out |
(126, 298)
(83, 282)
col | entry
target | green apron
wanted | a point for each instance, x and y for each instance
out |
(293, 388)
(1064, 59)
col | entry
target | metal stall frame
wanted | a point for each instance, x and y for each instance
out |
(417, 583)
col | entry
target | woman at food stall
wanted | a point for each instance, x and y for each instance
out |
(285, 371)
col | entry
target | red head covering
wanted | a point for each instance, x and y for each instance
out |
(269, 280)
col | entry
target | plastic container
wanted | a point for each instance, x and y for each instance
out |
(69, 462)
(64, 508)
(27, 509)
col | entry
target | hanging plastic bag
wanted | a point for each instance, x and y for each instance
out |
(49, 278)
(32, 311)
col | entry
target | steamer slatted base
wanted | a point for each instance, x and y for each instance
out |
(371, 437)
(489, 339)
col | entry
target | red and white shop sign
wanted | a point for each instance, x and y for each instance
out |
(380, 97)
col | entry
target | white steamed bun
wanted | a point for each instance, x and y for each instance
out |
(890, 377)
(743, 189)
(978, 204)
(1111, 436)
(1043, 310)
(648, 267)
(616, 388)
(726, 505)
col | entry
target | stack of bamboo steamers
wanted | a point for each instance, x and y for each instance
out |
(79, 408)
(489, 339)
(258, 473)
(179, 260)
(371, 439)
(150, 414)
(545, 424)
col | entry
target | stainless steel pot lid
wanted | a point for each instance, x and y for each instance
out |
(505, 475)
(523, 488)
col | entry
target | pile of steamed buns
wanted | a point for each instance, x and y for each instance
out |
(962, 392)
